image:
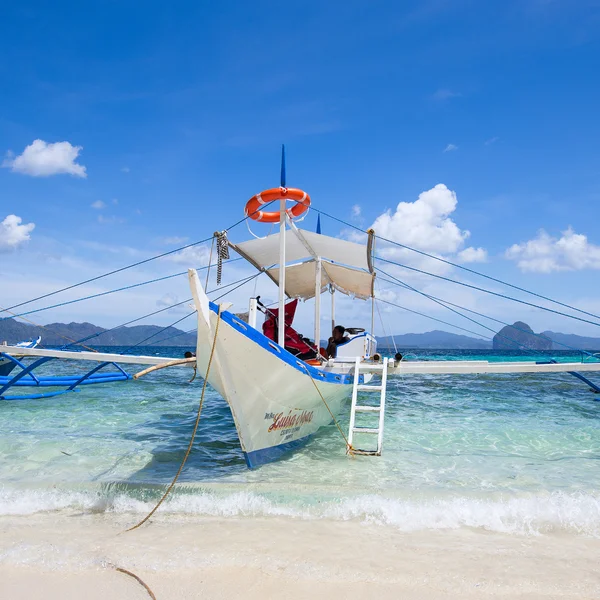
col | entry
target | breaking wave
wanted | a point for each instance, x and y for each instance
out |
(535, 514)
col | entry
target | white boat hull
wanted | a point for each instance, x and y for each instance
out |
(272, 395)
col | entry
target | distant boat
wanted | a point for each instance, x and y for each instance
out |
(7, 365)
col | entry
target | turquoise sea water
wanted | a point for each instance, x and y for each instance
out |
(511, 453)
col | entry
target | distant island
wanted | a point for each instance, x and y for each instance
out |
(519, 336)
(61, 334)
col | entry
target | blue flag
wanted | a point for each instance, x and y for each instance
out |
(319, 224)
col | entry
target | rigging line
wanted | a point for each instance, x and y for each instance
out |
(212, 245)
(448, 262)
(441, 303)
(92, 296)
(194, 312)
(416, 312)
(494, 319)
(474, 287)
(142, 317)
(137, 264)
(247, 280)
(381, 321)
(383, 327)
(176, 335)
(49, 330)
(158, 332)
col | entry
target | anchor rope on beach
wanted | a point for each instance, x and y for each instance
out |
(193, 436)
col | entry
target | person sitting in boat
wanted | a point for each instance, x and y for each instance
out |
(337, 338)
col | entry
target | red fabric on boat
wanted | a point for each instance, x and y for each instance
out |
(293, 340)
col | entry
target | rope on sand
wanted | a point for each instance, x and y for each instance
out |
(189, 449)
(139, 580)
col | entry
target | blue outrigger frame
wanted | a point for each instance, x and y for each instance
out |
(26, 378)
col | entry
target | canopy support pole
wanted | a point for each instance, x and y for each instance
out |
(332, 289)
(318, 303)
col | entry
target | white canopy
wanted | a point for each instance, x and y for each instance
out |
(344, 265)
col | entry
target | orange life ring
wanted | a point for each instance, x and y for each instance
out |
(253, 205)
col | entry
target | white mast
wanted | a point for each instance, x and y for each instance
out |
(282, 220)
(281, 321)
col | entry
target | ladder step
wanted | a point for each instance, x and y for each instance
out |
(369, 388)
(367, 367)
(367, 408)
(366, 452)
(365, 430)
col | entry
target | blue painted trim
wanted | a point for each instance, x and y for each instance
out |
(287, 357)
(266, 455)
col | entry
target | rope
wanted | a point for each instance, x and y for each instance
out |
(98, 295)
(137, 264)
(222, 252)
(158, 332)
(212, 245)
(46, 329)
(442, 303)
(349, 448)
(474, 287)
(516, 287)
(492, 319)
(245, 280)
(189, 448)
(138, 579)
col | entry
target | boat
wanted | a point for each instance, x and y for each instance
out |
(7, 365)
(281, 387)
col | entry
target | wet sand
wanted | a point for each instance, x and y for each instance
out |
(54, 556)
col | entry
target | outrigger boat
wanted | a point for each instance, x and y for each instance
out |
(7, 365)
(278, 397)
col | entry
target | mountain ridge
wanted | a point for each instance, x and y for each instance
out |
(61, 334)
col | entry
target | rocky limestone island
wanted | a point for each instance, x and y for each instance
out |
(519, 336)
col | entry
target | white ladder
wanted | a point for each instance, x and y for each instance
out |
(361, 368)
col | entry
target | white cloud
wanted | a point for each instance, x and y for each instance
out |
(356, 211)
(175, 240)
(491, 141)
(13, 233)
(424, 224)
(192, 256)
(115, 201)
(125, 169)
(546, 254)
(41, 159)
(472, 255)
(98, 205)
(172, 299)
(450, 148)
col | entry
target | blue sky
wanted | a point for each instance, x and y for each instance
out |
(180, 111)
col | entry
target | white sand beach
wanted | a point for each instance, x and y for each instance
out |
(56, 556)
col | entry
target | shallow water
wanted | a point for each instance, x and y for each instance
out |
(511, 453)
